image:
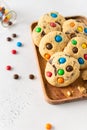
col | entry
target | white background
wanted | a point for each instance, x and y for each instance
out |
(22, 104)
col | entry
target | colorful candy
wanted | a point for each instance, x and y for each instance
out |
(85, 56)
(72, 24)
(53, 24)
(85, 30)
(84, 45)
(80, 60)
(49, 74)
(53, 15)
(47, 56)
(58, 38)
(60, 80)
(75, 49)
(80, 29)
(19, 44)
(74, 42)
(60, 72)
(49, 46)
(8, 67)
(69, 68)
(13, 51)
(62, 60)
(38, 29)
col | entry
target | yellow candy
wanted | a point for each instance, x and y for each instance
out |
(8, 16)
(84, 45)
(80, 29)
(6, 11)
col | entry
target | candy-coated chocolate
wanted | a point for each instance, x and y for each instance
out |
(69, 68)
(53, 15)
(80, 60)
(74, 42)
(61, 72)
(80, 28)
(53, 24)
(8, 67)
(84, 45)
(19, 44)
(13, 51)
(85, 56)
(85, 30)
(72, 24)
(75, 49)
(38, 29)
(48, 126)
(47, 56)
(58, 38)
(49, 46)
(60, 80)
(49, 74)
(62, 60)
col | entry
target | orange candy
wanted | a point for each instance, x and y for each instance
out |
(48, 126)
(60, 80)
(47, 56)
(72, 24)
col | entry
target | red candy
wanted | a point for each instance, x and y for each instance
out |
(8, 67)
(14, 51)
(49, 74)
(52, 24)
(85, 56)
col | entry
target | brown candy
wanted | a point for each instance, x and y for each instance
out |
(16, 76)
(31, 76)
(14, 35)
(10, 23)
(75, 49)
(69, 68)
(9, 39)
(49, 46)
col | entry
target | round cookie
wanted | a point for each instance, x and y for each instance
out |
(51, 17)
(52, 42)
(40, 31)
(77, 47)
(62, 70)
(74, 28)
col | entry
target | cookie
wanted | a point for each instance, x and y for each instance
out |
(51, 17)
(62, 70)
(52, 42)
(73, 28)
(40, 31)
(77, 47)
(84, 74)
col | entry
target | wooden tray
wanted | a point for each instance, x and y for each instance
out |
(55, 95)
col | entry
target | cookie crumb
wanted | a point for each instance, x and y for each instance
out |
(82, 90)
(31, 76)
(16, 76)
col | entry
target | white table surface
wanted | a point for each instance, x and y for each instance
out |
(22, 104)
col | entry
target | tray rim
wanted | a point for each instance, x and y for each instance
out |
(49, 100)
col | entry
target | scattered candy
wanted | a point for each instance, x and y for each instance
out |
(8, 67)
(19, 44)
(13, 51)
(14, 35)
(10, 23)
(16, 76)
(9, 39)
(48, 126)
(31, 76)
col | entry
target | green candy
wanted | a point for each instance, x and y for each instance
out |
(74, 42)
(60, 72)
(38, 29)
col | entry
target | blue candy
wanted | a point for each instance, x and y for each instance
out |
(62, 60)
(19, 44)
(80, 60)
(58, 38)
(53, 15)
(85, 30)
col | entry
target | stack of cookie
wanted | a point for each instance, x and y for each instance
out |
(63, 44)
